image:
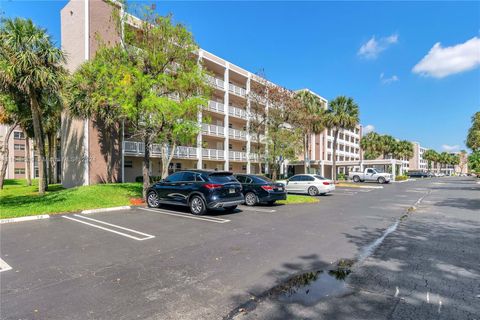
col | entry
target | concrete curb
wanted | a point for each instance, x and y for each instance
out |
(105, 209)
(28, 218)
(47, 216)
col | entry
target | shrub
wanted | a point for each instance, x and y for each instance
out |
(401, 178)
(152, 179)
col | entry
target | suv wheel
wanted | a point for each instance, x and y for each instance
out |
(356, 179)
(312, 191)
(197, 206)
(230, 209)
(250, 199)
(152, 199)
(381, 180)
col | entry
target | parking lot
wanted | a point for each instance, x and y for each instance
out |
(168, 264)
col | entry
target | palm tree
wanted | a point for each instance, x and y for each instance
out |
(310, 119)
(431, 156)
(342, 114)
(371, 145)
(30, 63)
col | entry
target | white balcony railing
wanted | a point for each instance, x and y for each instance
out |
(213, 154)
(237, 155)
(237, 112)
(237, 90)
(237, 134)
(254, 138)
(216, 82)
(216, 106)
(138, 148)
(213, 130)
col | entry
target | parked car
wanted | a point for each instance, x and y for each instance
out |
(311, 184)
(370, 174)
(200, 190)
(418, 174)
(260, 189)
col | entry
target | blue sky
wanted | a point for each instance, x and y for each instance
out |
(367, 50)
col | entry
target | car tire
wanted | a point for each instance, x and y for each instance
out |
(251, 199)
(197, 206)
(230, 209)
(381, 180)
(152, 199)
(312, 191)
(356, 179)
(271, 203)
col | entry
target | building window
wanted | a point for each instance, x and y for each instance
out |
(19, 159)
(128, 163)
(18, 146)
(19, 170)
(18, 135)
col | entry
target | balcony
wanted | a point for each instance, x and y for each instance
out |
(237, 155)
(237, 134)
(216, 106)
(237, 90)
(213, 130)
(237, 112)
(138, 148)
(213, 154)
(216, 82)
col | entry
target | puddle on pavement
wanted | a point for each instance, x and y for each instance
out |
(311, 287)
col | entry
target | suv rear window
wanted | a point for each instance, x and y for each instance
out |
(222, 178)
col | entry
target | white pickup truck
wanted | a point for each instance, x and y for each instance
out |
(370, 174)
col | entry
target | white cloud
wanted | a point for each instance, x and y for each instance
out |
(385, 80)
(441, 62)
(448, 148)
(368, 128)
(372, 48)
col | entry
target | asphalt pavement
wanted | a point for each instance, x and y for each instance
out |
(167, 264)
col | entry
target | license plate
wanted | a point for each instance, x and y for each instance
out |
(231, 190)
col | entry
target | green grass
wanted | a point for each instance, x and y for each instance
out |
(297, 199)
(18, 200)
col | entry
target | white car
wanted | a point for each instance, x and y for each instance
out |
(311, 184)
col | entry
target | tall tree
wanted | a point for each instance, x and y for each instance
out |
(473, 137)
(31, 64)
(342, 114)
(431, 156)
(309, 119)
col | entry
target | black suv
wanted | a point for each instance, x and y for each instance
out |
(258, 188)
(200, 190)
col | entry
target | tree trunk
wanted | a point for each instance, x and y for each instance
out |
(305, 154)
(28, 162)
(5, 154)
(146, 165)
(334, 155)
(39, 139)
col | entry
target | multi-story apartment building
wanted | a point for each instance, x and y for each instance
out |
(222, 144)
(18, 153)
(417, 162)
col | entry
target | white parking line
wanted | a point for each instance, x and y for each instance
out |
(4, 266)
(257, 209)
(176, 214)
(147, 236)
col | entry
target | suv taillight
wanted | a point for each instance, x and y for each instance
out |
(326, 183)
(212, 186)
(267, 188)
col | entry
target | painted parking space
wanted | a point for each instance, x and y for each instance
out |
(110, 227)
(179, 214)
(4, 266)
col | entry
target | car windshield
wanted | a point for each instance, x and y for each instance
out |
(319, 177)
(221, 178)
